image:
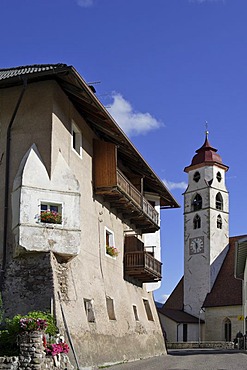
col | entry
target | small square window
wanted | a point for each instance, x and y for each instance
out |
(88, 304)
(50, 213)
(110, 308)
(76, 139)
(148, 310)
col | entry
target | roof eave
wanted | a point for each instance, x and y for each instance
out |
(115, 133)
(206, 163)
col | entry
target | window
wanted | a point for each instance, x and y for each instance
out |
(110, 308)
(76, 139)
(110, 248)
(219, 201)
(50, 213)
(185, 332)
(197, 222)
(227, 330)
(148, 310)
(197, 203)
(135, 312)
(218, 176)
(197, 176)
(88, 304)
(219, 222)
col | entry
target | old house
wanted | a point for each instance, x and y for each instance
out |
(241, 274)
(80, 216)
(206, 303)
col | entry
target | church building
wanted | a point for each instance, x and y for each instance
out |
(207, 302)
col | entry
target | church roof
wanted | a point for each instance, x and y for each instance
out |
(179, 316)
(173, 307)
(206, 155)
(227, 290)
(175, 300)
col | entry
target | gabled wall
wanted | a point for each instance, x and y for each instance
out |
(214, 322)
(32, 186)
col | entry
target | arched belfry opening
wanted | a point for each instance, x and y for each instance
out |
(197, 202)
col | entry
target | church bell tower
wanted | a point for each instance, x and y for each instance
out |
(206, 226)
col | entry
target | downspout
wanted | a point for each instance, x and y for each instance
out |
(6, 190)
(177, 329)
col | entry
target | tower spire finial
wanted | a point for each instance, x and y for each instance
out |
(206, 126)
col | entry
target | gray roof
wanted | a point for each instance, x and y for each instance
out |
(24, 70)
(179, 316)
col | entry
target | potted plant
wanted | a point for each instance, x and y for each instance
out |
(51, 217)
(112, 251)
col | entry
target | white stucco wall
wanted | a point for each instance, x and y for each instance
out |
(153, 240)
(32, 186)
(214, 319)
(175, 331)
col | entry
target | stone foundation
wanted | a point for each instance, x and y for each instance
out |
(33, 357)
(188, 345)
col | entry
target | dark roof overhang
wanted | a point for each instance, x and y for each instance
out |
(94, 113)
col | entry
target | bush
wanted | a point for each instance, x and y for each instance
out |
(8, 344)
(35, 320)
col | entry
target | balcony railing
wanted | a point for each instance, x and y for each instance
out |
(125, 185)
(142, 266)
(121, 193)
(125, 197)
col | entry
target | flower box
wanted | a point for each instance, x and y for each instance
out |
(51, 217)
(112, 251)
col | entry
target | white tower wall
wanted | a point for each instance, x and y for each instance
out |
(205, 246)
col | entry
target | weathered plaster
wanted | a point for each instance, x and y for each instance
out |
(51, 170)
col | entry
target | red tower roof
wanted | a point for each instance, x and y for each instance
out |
(206, 155)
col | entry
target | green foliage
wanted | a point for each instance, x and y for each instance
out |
(8, 344)
(8, 337)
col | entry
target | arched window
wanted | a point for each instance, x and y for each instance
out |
(197, 203)
(219, 201)
(219, 222)
(197, 222)
(227, 329)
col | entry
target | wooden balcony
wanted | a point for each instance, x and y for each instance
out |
(119, 191)
(142, 266)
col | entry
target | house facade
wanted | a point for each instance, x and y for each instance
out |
(241, 274)
(80, 217)
(206, 303)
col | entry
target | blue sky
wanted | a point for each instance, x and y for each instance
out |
(164, 67)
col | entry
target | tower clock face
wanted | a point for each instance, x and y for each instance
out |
(196, 245)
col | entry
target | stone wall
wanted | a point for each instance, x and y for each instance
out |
(189, 345)
(29, 283)
(33, 357)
